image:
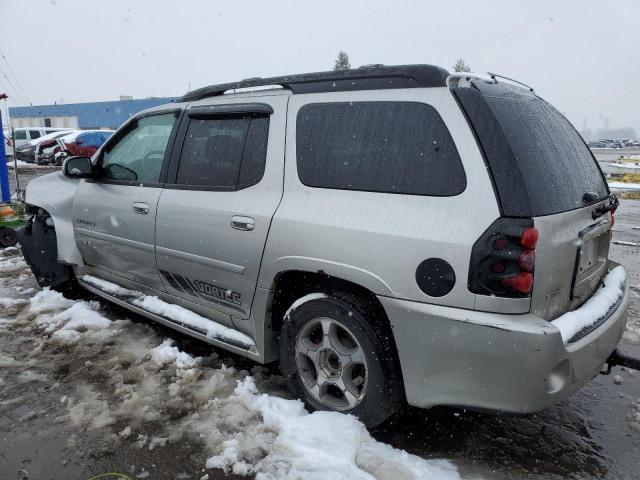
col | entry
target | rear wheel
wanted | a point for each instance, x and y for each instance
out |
(336, 354)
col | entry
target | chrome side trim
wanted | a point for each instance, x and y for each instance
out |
(209, 262)
(118, 240)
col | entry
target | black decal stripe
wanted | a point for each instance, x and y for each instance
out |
(169, 278)
(185, 285)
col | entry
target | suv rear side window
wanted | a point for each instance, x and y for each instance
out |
(390, 147)
(224, 152)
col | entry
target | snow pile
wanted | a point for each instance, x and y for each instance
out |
(132, 386)
(321, 445)
(173, 312)
(624, 165)
(596, 307)
(623, 186)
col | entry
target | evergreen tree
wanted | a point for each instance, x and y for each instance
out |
(461, 66)
(342, 62)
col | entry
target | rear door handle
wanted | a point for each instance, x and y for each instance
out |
(242, 223)
(140, 207)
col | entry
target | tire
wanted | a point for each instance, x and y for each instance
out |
(40, 251)
(336, 353)
(8, 237)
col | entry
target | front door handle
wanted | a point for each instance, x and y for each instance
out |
(242, 223)
(140, 207)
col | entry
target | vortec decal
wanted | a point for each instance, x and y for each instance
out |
(217, 292)
(198, 288)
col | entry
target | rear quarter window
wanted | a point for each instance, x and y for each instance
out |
(390, 147)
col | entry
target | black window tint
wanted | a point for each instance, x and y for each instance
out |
(392, 147)
(539, 163)
(34, 134)
(255, 151)
(224, 151)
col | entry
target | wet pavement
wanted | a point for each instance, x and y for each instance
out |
(588, 436)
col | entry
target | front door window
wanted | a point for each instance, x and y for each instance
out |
(138, 156)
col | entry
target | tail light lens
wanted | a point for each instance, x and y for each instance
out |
(527, 260)
(523, 282)
(503, 259)
(529, 237)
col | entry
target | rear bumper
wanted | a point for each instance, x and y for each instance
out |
(496, 362)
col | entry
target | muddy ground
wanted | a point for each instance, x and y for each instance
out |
(91, 404)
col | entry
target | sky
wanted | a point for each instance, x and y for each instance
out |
(582, 56)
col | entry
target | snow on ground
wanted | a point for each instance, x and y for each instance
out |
(174, 312)
(624, 186)
(631, 166)
(149, 393)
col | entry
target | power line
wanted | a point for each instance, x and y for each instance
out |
(22, 91)
(13, 87)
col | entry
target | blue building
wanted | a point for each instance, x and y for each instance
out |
(82, 115)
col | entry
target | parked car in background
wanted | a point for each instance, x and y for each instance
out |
(82, 143)
(25, 135)
(45, 146)
(27, 151)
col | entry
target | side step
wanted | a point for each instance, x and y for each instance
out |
(187, 322)
(622, 359)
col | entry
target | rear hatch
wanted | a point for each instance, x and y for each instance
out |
(542, 169)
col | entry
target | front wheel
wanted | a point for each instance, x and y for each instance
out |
(336, 354)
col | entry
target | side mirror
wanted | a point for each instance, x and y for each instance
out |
(77, 167)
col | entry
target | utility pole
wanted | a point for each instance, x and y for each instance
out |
(4, 171)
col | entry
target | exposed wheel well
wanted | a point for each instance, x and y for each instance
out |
(290, 285)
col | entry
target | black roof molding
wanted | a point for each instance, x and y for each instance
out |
(363, 78)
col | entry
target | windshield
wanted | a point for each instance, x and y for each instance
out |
(539, 162)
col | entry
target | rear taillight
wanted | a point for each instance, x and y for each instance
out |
(529, 237)
(523, 282)
(503, 259)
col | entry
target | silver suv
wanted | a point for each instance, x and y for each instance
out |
(389, 234)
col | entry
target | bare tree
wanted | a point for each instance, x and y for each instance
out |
(461, 66)
(342, 62)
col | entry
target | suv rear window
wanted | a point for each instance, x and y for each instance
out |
(390, 147)
(539, 162)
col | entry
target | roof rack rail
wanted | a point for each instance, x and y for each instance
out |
(363, 78)
(495, 75)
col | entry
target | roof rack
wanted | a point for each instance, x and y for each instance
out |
(364, 78)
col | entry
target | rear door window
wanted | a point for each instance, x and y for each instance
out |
(34, 134)
(224, 152)
(20, 134)
(390, 147)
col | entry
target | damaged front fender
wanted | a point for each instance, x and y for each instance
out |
(54, 193)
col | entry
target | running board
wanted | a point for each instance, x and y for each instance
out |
(125, 300)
